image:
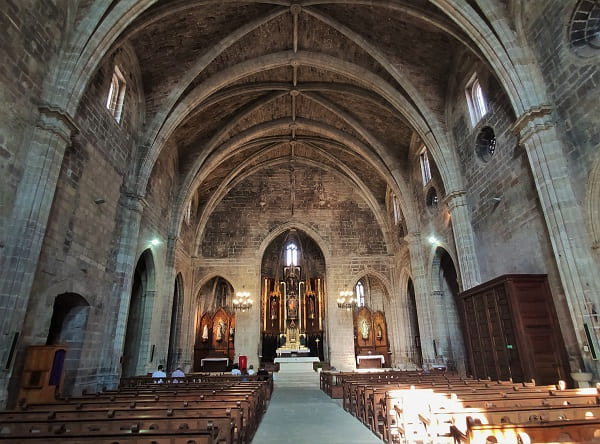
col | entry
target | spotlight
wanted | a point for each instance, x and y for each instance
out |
(155, 242)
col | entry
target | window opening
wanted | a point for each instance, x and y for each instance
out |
(291, 255)
(425, 169)
(116, 94)
(475, 100)
(188, 213)
(360, 294)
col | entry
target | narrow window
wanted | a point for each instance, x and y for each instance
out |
(291, 255)
(475, 100)
(116, 94)
(360, 294)
(188, 213)
(425, 170)
(396, 210)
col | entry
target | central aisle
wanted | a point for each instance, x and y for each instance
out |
(299, 412)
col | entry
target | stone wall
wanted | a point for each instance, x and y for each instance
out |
(78, 253)
(509, 226)
(32, 35)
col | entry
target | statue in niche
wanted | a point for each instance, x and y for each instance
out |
(379, 332)
(311, 307)
(364, 329)
(292, 307)
(220, 330)
(205, 333)
(274, 307)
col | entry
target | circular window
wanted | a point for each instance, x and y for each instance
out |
(584, 28)
(485, 144)
(432, 198)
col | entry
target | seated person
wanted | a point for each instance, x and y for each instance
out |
(251, 370)
(160, 373)
(263, 374)
(235, 371)
(244, 375)
(178, 373)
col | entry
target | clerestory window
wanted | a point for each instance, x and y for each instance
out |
(116, 94)
(425, 169)
(475, 100)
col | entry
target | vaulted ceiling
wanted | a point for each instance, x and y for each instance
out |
(232, 85)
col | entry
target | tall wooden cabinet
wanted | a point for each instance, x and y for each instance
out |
(512, 331)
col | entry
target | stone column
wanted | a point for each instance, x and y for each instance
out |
(427, 317)
(132, 207)
(166, 295)
(565, 224)
(35, 194)
(400, 324)
(340, 328)
(464, 239)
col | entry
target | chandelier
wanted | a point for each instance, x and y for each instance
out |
(242, 301)
(346, 300)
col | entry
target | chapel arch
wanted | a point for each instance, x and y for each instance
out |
(67, 327)
(449, 347)
(214, 327)
(375, 309)
(293, 295)
(136, 350)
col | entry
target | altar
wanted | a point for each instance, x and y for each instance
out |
(370, 361)
(296, 364)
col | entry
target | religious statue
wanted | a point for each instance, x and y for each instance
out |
(311, 307)
(274, 307)
(205, 333)
(220, 330)
(364, 329)
(292, 307)
(379, 332)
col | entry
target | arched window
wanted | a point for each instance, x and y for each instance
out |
(188, 213)
(396, 210)
(291, 255)
(116, 94)
(425, 169)
(475, 100)
(360, 294)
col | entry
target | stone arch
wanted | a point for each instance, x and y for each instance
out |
(136, 348)
(445, 289)
(175, 331)
(593, 203)
(409, 316)
(68, 327)
(310, 232)
(236, 176)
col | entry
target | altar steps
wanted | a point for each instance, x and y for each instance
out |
(296, 378)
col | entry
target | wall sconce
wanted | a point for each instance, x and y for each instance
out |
(242, 301)
(346, 300)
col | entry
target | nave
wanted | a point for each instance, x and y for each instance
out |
(300, 412)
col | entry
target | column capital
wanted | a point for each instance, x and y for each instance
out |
(455, 199)
(413, 236)
(56, 120)
(133, 201)
(533, 120)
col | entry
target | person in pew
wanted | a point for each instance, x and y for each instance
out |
(235, 371)
(178, 373)
(251, 370)
(263, 374)
(160, 373)
(244, 375)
